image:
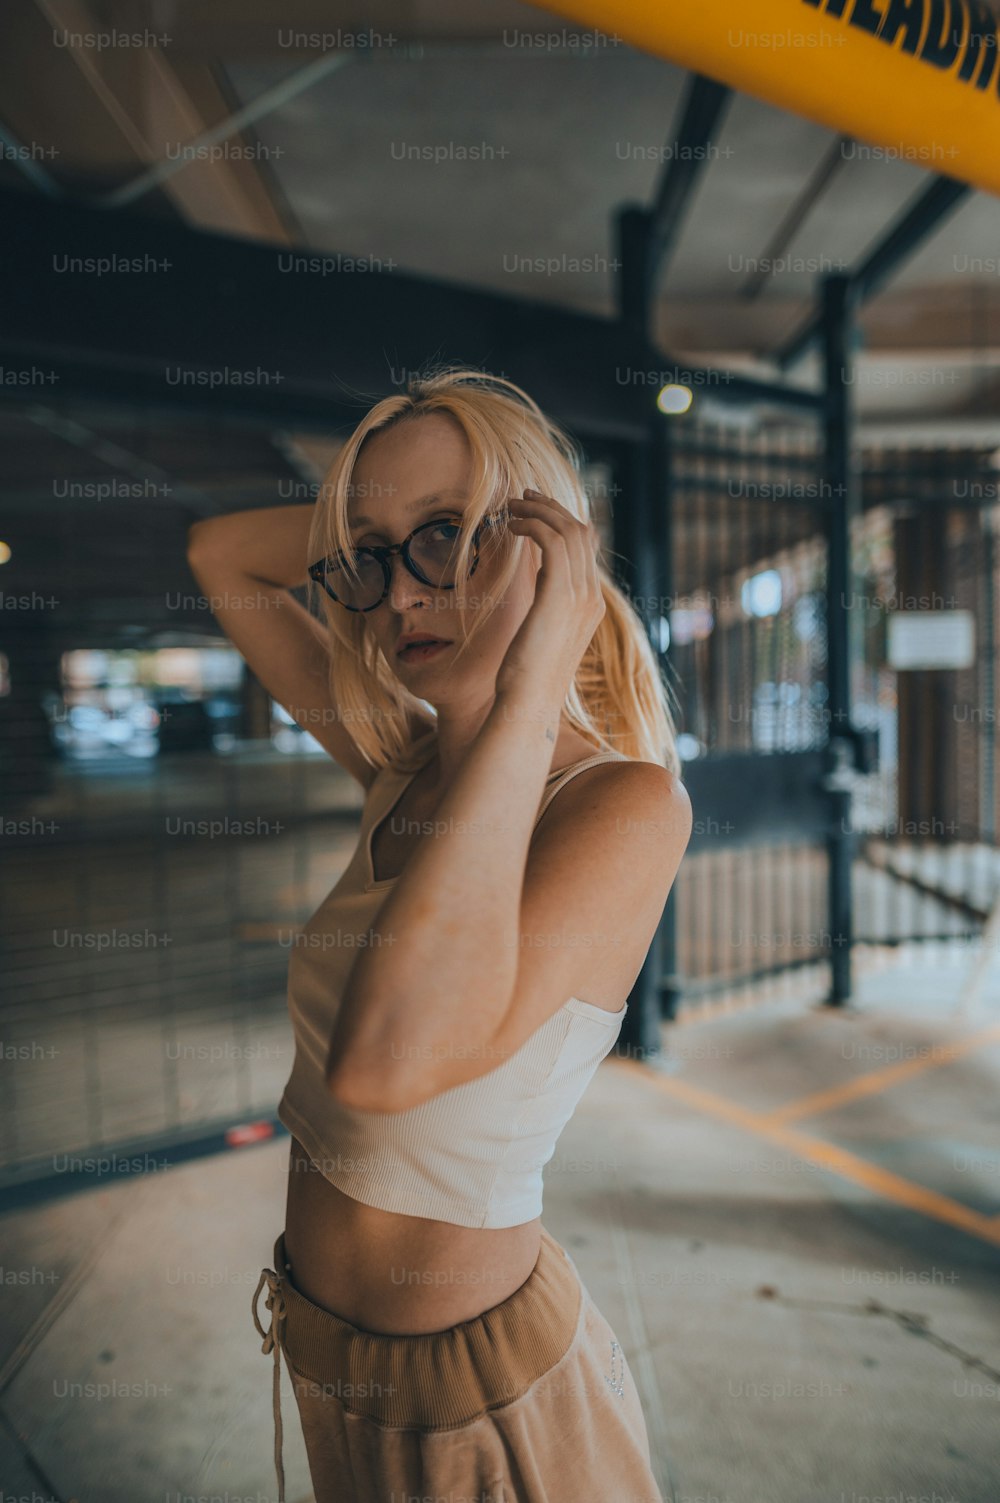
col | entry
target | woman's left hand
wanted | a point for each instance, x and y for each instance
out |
(568, 606)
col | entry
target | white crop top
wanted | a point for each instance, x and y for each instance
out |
(472, 1155)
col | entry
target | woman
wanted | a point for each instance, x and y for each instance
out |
(439, 1340)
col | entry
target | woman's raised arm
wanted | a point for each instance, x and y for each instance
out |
(247, 564)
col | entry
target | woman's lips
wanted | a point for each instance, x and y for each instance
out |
(419, 652)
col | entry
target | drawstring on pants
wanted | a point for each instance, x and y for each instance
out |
(273, 1338)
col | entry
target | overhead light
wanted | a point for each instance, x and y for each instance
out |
(4, 552)
(674, 399)
(761, 594)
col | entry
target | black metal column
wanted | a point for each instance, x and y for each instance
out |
(987, 656)
(661, 552)
(636, 573)
(641, 539)
(28, 758)
(838, 301)
(641, 543)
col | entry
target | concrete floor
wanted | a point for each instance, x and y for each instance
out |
(807, 1299)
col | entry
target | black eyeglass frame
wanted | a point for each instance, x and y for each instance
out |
(383, 552)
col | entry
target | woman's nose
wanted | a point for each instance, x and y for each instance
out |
(404, 586)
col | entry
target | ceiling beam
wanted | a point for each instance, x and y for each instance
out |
(701, 115)
(252, 333)
(789, 226)
(201, 138)
(647, 237)
(163, 485)
(939, 199)
(102, 119)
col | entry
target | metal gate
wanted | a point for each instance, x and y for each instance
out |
(906, 793)
(749, 653)
(928, 867)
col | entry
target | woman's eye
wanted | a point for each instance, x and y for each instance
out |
(445, 529)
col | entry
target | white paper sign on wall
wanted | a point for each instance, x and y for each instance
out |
(932, 639)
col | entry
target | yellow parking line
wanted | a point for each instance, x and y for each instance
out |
(878, 1080)
(827, 1155)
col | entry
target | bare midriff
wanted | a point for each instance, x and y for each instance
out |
(392, 1274)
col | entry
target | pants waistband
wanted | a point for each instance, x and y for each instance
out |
(440, 1380)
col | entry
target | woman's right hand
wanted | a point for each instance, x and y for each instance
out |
(568, 607)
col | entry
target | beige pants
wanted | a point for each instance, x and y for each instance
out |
(531, 1402)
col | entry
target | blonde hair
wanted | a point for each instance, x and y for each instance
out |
(619, 700)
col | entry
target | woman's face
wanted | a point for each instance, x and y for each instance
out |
(420, 471)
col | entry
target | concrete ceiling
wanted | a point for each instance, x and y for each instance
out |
(569, 140)
(569, 128)
(543, 134)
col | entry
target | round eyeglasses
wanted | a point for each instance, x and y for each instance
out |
(360, 581)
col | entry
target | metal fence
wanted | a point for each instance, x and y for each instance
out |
(147, 917)
(928, 864)
(748, 644)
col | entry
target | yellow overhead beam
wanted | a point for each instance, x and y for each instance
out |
(913, 79)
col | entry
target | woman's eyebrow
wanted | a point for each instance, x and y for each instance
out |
(413, 506)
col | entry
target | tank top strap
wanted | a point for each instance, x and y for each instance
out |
(390, 777)
(387, 786)
(560, 779)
